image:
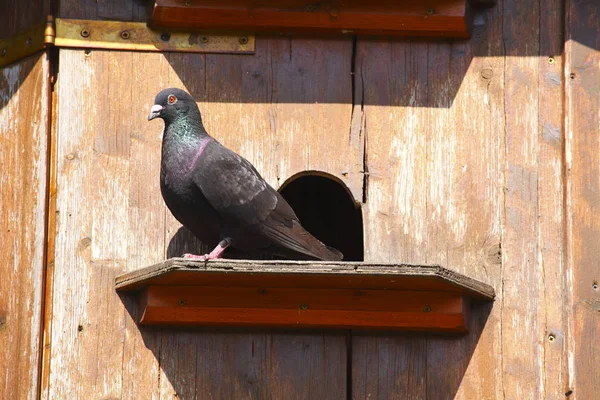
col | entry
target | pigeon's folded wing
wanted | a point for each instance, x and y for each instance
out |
(233, 186)
(241, 197)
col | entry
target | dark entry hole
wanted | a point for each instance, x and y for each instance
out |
(326, 209)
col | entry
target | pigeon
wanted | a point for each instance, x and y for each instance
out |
(219, 195)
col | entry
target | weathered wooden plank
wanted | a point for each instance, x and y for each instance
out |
(391, 82)
(128, 10)
(304, 274)
(238, 364)
(90, 248)
(582, 124)
(465, 98)
(146, 237)
(18, 15)
(289, 115)
(389, 367)
(392, 85)
(24, 100)
(551, 236)
(522, 325)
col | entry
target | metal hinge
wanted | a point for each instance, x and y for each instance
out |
(119, 35)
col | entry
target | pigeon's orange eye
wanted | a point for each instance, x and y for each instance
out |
(171, 99)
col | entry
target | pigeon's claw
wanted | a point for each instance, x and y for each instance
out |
(216, 253)
(195, 256)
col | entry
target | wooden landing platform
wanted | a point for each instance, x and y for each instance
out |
(435, 18)
(348, 295)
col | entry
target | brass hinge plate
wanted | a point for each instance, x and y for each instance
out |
(119, 35)
(22, 45)
(136, 36)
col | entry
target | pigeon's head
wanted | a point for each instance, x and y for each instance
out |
(171, 104)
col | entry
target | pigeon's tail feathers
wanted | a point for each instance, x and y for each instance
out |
(298, 239)
(337, 253)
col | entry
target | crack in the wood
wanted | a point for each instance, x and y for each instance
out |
(362, 132)
(353, 81)
(503, 217)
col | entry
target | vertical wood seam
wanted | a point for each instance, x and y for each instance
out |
(538, 252)
(50, 228)
(502, 169)
(569, 342)
(566, 314)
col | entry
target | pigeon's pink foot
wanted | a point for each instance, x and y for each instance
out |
(216, 253)
(195, 256)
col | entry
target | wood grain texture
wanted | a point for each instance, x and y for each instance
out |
(582, 125)
(406, 18)
(522, 323)
(24, 91)
(304, 274)
(433, 195)
(128, 10)
(20, 15)
(108, 157)
(551, 201)
(464, 196)
(341, 309)
(466, 167)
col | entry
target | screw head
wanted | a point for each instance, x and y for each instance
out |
(182, 302)
(125, 35)
(165, 37)
(595, 286)
(87, 52)
(85, 33)
(551, 337)
(28, 42)
(304, 306)
(426, 309)
(550, 60)
(430, 11)
(188, 2)
(2, 52)
(243, 39)
(487, 73)
(204, 39)
(572, 75)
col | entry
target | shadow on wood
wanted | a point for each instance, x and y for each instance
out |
(352, 70)
(246, 363)
(261, 362)
(408, 366)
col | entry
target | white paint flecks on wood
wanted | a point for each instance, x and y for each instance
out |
(582, 128)
(23, 159)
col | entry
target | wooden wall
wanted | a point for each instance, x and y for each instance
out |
(482, 156)
(24, 125)
(23, 179)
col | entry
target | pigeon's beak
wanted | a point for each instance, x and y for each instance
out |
(155, 112)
